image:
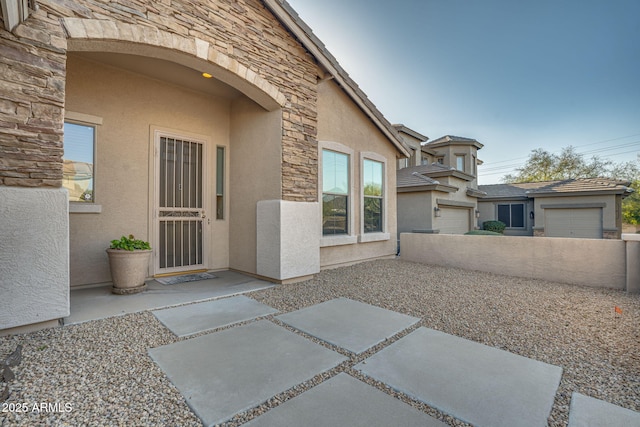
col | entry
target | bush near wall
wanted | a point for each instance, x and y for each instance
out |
(495, 226)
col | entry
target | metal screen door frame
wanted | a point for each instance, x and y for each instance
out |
(180, 202)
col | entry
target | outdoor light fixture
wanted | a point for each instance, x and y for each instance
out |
(477, 213)
(436, 212)
(206, 75)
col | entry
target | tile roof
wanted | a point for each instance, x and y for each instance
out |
(449, 139)
(417, 175)
(580, 185)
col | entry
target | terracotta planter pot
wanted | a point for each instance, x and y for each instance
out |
(128, 270)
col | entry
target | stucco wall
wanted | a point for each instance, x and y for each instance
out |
(415, 211)
(288, 239)
(489, 212)
(588, 262)
(255, 175)
(339, 120)
(34, 256)
(129, 105)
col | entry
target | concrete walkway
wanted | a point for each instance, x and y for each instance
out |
(99, 303)
(225, 373)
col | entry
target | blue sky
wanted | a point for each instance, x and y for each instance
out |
(515, 75)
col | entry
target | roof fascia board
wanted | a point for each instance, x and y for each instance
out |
(433, 187)
(452, 172)
(282, 12)
(411, 132)
(611, 192)
(435, 144)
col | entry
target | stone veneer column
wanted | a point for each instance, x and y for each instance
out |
(34, 220)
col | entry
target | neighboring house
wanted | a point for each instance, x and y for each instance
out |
(221, 131)
(586, 208)
(440, 194)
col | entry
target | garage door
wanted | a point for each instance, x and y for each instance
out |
(583, 223)
(453, 221)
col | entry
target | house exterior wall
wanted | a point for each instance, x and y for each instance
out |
(489, 212)
(245, 32)
(339, 120)
(255, 175)
(415, 212)
(129, 105)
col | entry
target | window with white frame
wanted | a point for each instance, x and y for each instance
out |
(373, 185)
(512, 214)
(79, 160)
(460, 163)
(335, 193)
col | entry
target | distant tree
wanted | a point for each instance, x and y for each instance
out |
(631, 205)
(544, 166)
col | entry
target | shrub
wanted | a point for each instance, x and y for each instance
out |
(482, 233)
(495, 226)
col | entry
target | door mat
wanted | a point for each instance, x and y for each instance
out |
(174, 280)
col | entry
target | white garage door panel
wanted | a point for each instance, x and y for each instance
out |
(583, 223)
(453, 221)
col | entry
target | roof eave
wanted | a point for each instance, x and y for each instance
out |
(287, 16)
(606, 192)
(430, 187)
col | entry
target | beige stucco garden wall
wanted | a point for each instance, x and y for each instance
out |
(588, 262)
(130, 105)
(339, 120)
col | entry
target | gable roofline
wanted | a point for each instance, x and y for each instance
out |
(290, 19)
(402, 128)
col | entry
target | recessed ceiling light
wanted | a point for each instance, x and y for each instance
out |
(206, 75)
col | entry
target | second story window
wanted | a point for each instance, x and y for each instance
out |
(460, 163)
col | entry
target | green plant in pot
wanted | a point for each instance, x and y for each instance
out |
(129, 262)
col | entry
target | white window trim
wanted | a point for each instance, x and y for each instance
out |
(350, 238)
(379, 236)
(94, 121)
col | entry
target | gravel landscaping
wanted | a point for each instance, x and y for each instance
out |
(99, 373)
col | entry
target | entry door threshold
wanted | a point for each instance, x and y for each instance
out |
(180, 273)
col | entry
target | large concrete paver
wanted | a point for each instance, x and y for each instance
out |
(194, 318)
(227, 372)
(344, 401)
(590, 412)
(478, 384)
(349, 324)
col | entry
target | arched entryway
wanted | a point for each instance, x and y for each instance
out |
(161, 130)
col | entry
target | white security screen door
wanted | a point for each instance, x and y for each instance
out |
(180, 204)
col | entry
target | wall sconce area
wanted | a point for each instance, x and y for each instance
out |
(436, 212)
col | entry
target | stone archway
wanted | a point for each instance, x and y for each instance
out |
(121, 37)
